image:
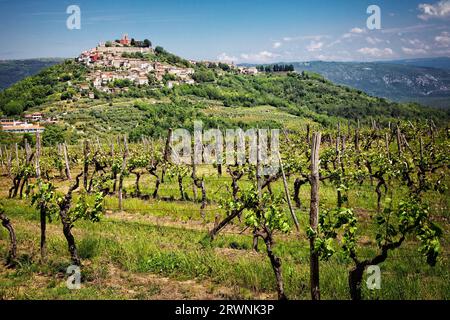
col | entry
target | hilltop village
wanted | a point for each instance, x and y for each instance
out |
(127, 61)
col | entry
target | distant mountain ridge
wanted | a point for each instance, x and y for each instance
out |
(12, 71)
(426, 81)
(438, 63)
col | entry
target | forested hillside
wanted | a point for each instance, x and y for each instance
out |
(12, 71)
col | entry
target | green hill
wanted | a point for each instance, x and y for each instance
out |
(220, 97)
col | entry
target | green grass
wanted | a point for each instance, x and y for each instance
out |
(166, 238)
(141, 247)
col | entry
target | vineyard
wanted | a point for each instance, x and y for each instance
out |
(141, 226)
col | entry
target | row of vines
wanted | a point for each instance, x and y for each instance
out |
(405, 155)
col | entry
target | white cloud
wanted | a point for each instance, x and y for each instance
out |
(438, 10)
(409, 29)
(443, 40)
(342, 55)
(347, 35)
(376, 52)
(223, 57)
(353, 33)
(416, 44)
(314, 37)
(314, 46)
(357, 30)
(338, 41)
(373, 40)
(263, 56)
(276, 45)
(413, 51)
(307, 37)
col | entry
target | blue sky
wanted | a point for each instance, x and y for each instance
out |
(259, 31)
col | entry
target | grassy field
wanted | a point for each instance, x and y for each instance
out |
(156, 249)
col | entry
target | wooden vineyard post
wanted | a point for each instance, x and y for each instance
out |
(17, 155)
(119, 146)
(111, 146)
(387, 145)
(344, 144)
(286, 191)
(194, 178)
(197, 157)
(86, 152)
(258, 166)
(338, 162)
(357, 137)
(219, 155)
(314, 216)
(258, 183)
(66, 161)
(60, 154)
(38, 155)
(8, 161)
(42, 212)
(167, 151)
(204, 201)
(1, 156)
(122, 172)
(421, 148)
(308, 128)
(98, 146)
(28, 150)
(338, 144)
(399, 140)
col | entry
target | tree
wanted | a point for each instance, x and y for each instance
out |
(66, 95)
(13, 108)
(224, 66)
(159, 50)
(169, 77)
(52, 135)
(152, 80)
(147, 43)
(204, 75)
